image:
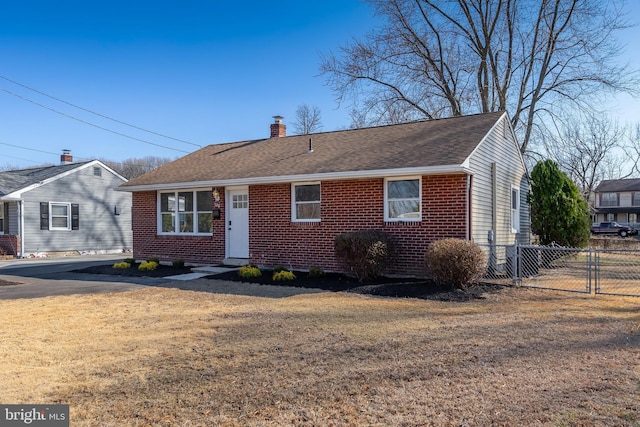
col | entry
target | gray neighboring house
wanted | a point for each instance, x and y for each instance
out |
(71, 208)
(617, 200)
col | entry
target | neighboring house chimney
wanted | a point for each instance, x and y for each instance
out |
(278, 129)
(66, 157)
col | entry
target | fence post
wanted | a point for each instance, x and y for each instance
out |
(595, 273)
(517, 262)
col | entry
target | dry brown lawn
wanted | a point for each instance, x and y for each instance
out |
(166, 357)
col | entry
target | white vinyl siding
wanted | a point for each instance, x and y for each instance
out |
(487, 219)
(100, 230)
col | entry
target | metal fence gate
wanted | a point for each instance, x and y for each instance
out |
(584, 270)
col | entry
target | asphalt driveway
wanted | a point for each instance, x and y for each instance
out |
(43, 277)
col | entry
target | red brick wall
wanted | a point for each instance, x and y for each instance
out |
(9, 244)
(346, 206)
(193, 249)
(349, 206)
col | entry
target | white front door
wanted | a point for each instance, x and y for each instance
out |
(238, 224)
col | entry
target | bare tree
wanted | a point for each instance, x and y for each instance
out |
(8, 167)
(632, 148)
(307, 119)
(590, 148)
(438, 58)
(131, 168)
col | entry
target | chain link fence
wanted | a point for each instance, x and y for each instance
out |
(584, 270)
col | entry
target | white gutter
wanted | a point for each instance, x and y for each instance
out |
(330, 176)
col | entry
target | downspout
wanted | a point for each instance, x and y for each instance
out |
(21, 226)
(494, 201)
(468, 207)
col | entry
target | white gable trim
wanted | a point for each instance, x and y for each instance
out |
(514, 140)
(17, 195)
(332, 176)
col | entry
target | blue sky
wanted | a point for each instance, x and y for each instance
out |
(202, 72)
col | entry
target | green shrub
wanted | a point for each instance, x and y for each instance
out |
(130, 261)
(455, 262)
(363, 254)
(283, 275)
(148, 266)
(122, 265)
(154, 259)
(249, 271)
(316, 272)
(178, 263)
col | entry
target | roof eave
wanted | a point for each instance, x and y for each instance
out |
(331, 176)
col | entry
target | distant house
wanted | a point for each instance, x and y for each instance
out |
(282, 200)
(69, 208)
(617, 200)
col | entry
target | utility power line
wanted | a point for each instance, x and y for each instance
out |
(89, 123)
(98, 114)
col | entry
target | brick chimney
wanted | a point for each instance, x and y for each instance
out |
(278, 129)
(66, 157)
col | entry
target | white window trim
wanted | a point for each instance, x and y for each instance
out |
(386, 198)
(176, 213)
(607, 193)
(515, 211)
(294, 204)
(68, 205)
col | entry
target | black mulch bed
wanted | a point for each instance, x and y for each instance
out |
(383, 286)
(161, 271)
(387, 287)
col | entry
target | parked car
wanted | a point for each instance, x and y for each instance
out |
(613, 228)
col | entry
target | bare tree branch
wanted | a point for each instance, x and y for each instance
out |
(437, 58)
(307, 119)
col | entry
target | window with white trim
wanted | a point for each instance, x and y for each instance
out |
(515, 209)
(59, 216)
(2, 224)
(305, 202)
(185, 212)
(403, 199)
(609, 199)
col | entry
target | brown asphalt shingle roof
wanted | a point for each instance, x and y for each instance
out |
(613, 185)
(417, 144)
